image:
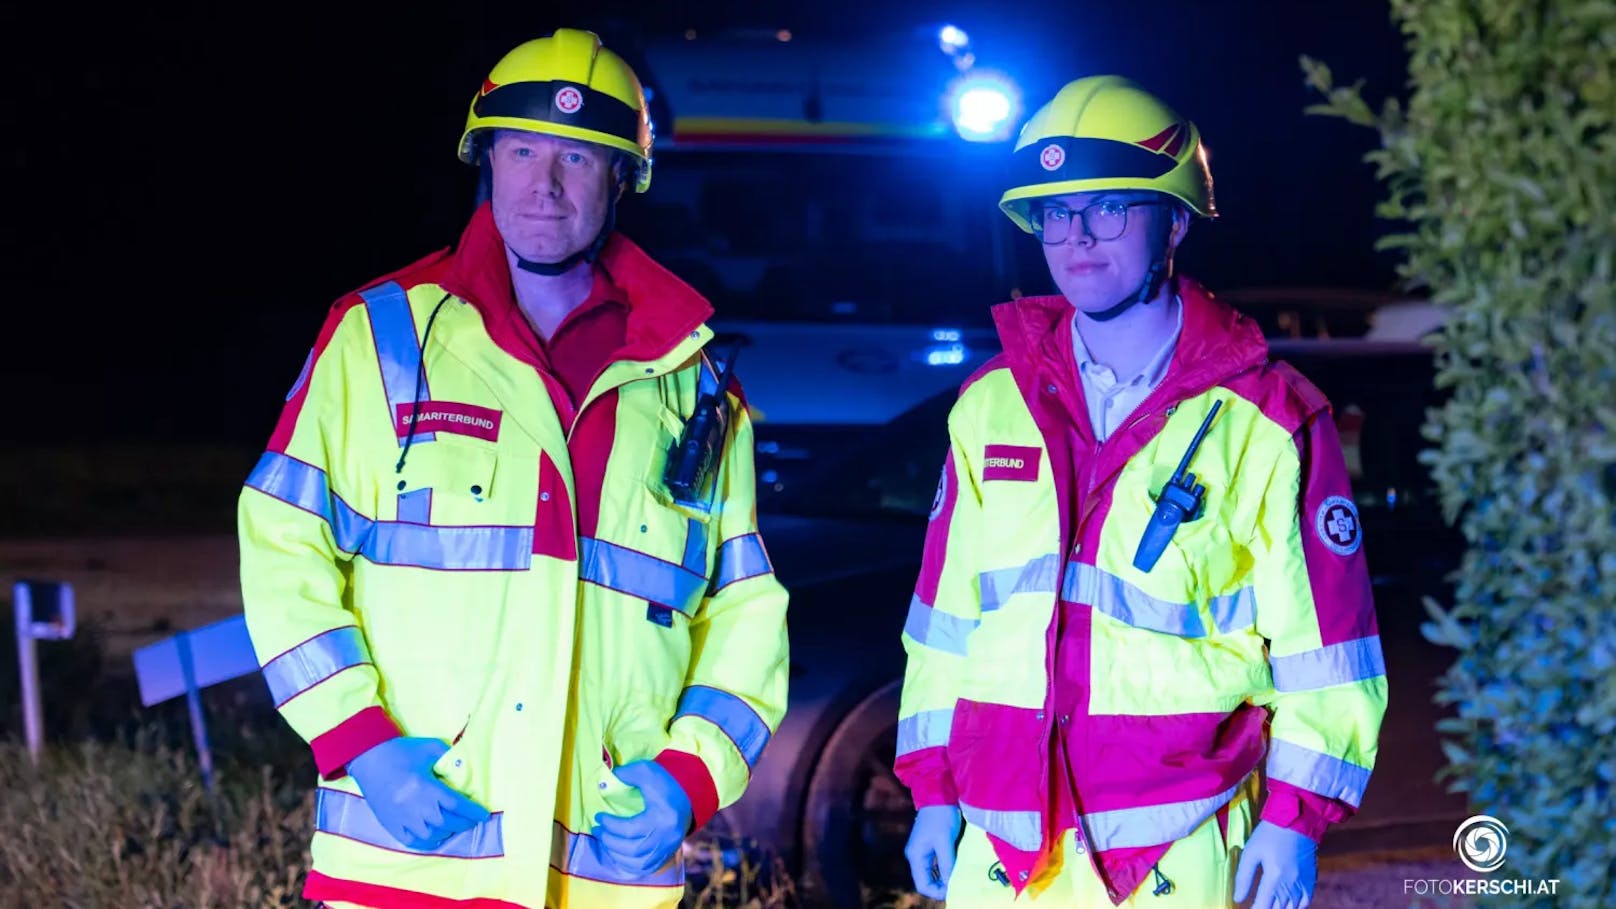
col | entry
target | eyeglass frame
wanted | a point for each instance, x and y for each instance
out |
(1036, 218)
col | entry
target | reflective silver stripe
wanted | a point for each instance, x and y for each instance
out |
(1128, 604)
(936, 629)
(415, 506)
(398, 351)
(696, 547)
(1337, 664)
(1234, 611)
(391, 542)
(739, 559)
(1041, 575)
(294, 482)
(450, 548)
(733, 716)
(639, 575)
(1151, 825)
(926, 729)
(313, 661)
(347, 815)
(576, 855)
(1317, 772)
(1021, 829)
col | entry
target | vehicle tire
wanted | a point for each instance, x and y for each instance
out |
(857, 814)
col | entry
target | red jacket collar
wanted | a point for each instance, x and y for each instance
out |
(1216, 344)
(663, 310)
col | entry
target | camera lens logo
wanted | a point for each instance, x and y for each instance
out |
(1480, 842)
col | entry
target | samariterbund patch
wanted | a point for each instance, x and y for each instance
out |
(1011, 462)
(449, 416)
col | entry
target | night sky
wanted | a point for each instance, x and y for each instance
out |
(189, 187)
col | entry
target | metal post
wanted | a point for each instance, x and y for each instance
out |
(193, 702)
(33, 720)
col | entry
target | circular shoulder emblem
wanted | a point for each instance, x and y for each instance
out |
(569, 100)
(942, 495)
(1052, 157)
(1337, 525)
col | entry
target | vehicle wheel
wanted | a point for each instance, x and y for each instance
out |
(858, 814)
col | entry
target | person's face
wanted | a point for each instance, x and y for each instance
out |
(550, 195)
(1095, 273)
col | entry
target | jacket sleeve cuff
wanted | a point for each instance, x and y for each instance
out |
(1307, 813)
(926, 774)
(692, 775)
(351, 738)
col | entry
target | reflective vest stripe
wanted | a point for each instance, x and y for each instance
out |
(1337, 664)
(1022, 829)
(696, 547)
(733, 716)
(415, 506)
(1151, 825)
(313, 661)
(1041, 575)
(741, 558)
(349, 816)
(392, 325)
(576, 855)
(391, 542)
(927, 729)
(639, 575)
(937, 630)
(1126, 603)
(1317, 772)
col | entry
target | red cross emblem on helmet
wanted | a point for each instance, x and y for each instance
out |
(1052, 157)
(569, 100)
(1337, 525)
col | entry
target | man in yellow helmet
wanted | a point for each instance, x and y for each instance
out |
(500, 560)
(1143, 608)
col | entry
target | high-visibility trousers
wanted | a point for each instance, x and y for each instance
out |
(1200, 869)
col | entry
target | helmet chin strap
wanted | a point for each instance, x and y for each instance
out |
(587, 254)
(1160, 270)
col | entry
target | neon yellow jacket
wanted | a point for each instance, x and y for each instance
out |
(1052, 684)
(525, 587)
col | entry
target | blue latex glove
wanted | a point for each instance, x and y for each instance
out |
(409, 800)
(1290, 868)
(645, 842)
(931, 848)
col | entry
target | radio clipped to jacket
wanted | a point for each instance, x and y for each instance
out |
(1180, 501)
(693, 461)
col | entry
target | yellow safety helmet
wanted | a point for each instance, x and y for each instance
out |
(1105, 132)
(565, 85)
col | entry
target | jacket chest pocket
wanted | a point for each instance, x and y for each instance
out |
(456, 506)
(1205, 566)
(649, 544)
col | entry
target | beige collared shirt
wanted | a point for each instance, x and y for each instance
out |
(1110, 399)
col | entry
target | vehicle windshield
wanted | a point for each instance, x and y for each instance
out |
(852, 236)
(1379, 394)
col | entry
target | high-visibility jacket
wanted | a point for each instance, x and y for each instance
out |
(1253, 635)
(524, 586)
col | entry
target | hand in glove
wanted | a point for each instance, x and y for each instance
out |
(1290, 868)
(646, 841)
(931, 848)
(408, 799)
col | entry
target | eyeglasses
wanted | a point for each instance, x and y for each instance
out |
(1103, 220)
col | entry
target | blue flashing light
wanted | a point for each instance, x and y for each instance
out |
(950, 355)
(984, 107)
(952, 39)
(945, 334)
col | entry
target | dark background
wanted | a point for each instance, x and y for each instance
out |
(189, 187)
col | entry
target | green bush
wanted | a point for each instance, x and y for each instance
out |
(1502, 165)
